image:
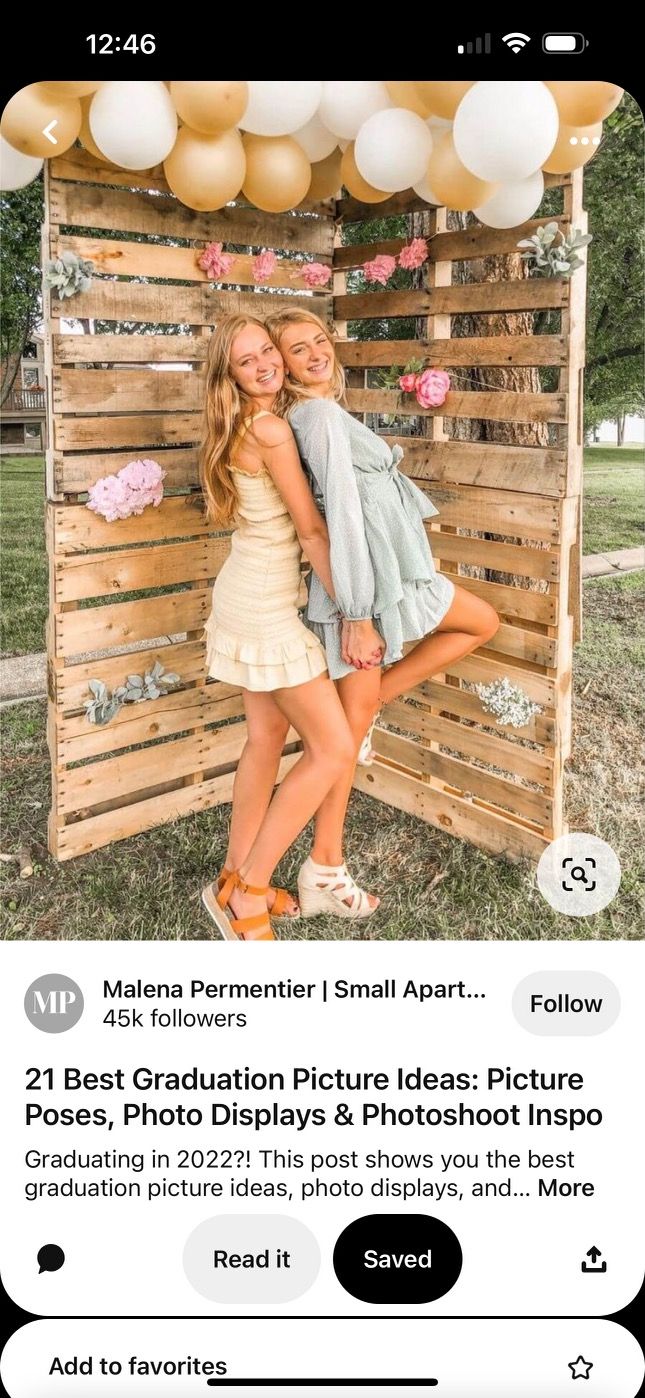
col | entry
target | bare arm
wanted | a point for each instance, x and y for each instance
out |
(281, 458)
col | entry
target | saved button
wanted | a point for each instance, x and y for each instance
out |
(397, 1259)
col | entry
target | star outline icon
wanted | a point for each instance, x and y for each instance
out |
(576, 1365)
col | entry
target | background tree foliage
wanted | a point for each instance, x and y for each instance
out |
(20, 306)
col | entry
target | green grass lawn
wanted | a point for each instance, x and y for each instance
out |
(614, 513)
(148, 887)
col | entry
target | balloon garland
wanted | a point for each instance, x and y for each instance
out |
(483, 146)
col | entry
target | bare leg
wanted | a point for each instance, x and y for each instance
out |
(359, 694)
(468, 623)
(256, 774)
(315, 712)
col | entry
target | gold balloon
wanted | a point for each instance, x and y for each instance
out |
(278, 173)
(452, 183)
(354, 182)
(326, 177)
(442, 99)
(71, 89)
(210, 106)
(585, 103)
(565, 156)
(29, 111)
(406, 95)
(205, 172)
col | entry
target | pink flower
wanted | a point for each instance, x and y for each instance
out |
(408, 382)
(263, 266)
(432, 387)
(214, 261)
(380, 270)
(135, 486)
(316, 274)
(414, 254)
(110, 497)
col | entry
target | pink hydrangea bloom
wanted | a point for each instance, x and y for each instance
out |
(214, 261)
(381, 269)
(263, 266)
(315, 274)
(408, 382)
(134, 487)
(432, 387)
(414, 254)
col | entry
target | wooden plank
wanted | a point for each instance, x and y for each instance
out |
(536, 470)
(70, 841)
(185, 658)
(146, 430)
(86, 786)
(176, 305)
(491, 554)
(78, 529)
(462, 703)
(472, 742)
(533, 805)
(511, 601)
(142, 723)
(502, 350)
(498, 511)
(462, 246)
(75, 473)
(128, 390)
(129, 349)
(486, 298)
(499, 406)
(486, 829)
(481, 670)
(140, 259)
(525, 645)
(133, 212)
(128, 570)
(118, 623)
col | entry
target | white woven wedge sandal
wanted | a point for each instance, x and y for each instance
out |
(365, 754)
(331, 889)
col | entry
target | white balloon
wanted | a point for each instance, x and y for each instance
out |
(393, 149)
(280, 108)
(133, 123)
(316, 141)
(16, 169)
(512, 204)
(343, 144)
(425, 191)
(346, 105)
(504, 131)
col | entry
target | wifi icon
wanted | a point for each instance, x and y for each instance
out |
(516, 41)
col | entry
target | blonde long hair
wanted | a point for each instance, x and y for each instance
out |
(293, 392)
(224, 408)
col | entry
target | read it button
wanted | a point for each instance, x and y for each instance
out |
(397, 1259)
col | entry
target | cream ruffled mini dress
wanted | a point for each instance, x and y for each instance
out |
(254, 635)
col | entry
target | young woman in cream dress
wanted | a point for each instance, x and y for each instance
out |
(252, 476)
(384, 577)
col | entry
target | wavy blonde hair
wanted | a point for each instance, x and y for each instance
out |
(293, 392)
(224, 408)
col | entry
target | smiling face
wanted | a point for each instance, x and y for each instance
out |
(256, 364)
(308, 354)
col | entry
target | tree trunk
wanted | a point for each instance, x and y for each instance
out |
(620, 429)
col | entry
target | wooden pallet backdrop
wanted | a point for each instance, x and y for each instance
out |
(147, 580)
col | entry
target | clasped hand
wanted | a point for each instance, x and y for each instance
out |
(361, 644)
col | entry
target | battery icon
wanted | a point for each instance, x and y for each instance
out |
(564, 43)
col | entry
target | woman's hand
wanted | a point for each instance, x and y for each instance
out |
(361, 645)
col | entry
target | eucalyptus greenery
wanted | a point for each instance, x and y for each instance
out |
(105, 705)
(507, 702)
(67, 275)
(389, 378)
(552, 253)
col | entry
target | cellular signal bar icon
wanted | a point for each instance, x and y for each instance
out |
(475, 45)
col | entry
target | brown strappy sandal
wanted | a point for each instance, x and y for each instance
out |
(234, 929)
(281, 898)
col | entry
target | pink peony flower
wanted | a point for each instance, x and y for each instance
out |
(110, 497)
(408, 382)
(432, 387)
(214, 261)
(315, 274)
(263, 266)
(135, 486)
(414, 254)
(380, 270)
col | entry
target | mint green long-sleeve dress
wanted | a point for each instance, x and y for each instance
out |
(381, 562)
